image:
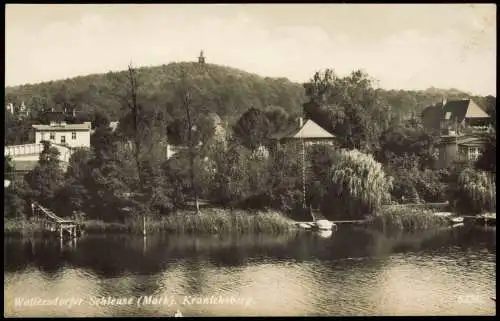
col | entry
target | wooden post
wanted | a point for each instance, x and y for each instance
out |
(144, 225)
(60, 232)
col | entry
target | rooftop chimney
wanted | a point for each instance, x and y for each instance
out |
(301, 122)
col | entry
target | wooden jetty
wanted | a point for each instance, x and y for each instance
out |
(53, 223)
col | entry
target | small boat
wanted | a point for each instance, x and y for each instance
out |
(443, 214)
(457, 220)
(324, 225)
(306, 226)
(487, 218)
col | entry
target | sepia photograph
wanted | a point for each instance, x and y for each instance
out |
(219, 160)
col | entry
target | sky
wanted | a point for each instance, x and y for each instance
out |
(402, 46)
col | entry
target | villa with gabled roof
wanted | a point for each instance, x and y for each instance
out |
(456, 117)
(461, 125)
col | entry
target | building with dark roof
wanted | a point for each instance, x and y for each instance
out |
(461, 125)
(455, 117)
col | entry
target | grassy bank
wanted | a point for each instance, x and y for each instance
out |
(210, 221)
(406, 219)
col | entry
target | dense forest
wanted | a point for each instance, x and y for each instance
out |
(383, 153)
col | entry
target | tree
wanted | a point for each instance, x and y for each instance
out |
(407, 145)
(488, 159)
(279, 119)
(285, 183)
(350, 107)
(15, 197)
(474, 192)
(99, 119)
(47, 177)
(135, 111)
(359, 186)
(112, 181)
(187, 104)
(78, 178)
(321, 159)
(252, 129)
(8, 165)
(203, 129)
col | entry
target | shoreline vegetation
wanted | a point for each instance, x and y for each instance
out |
(215, 221)
(240, 156)
(208, 221)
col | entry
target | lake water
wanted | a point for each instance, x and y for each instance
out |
(352, 272)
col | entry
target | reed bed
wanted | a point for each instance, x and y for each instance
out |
(97, 226)
(406, 219)
(211, 221)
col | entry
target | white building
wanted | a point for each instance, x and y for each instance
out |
(62, 136)
(72, 135)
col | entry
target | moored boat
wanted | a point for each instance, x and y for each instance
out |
(324, 225)
(457, 220)
(443, 214)
(487, 218)
(306, 226)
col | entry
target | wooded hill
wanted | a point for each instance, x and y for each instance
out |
(229, 92)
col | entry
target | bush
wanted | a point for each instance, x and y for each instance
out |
(407, 219)
(15, 196)
(411, 186)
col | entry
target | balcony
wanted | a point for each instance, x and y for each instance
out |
(469, 154)
(26, 149)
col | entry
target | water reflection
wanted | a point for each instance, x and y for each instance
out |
(349, 272)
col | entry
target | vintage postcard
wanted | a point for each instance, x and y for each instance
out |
(192, 160)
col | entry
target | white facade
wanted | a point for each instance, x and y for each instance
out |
(31, 152)
(72, 135)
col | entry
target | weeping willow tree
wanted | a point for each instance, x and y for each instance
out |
(475, 192)
(359, 186)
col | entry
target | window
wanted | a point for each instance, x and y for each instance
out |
(52, 136)
(73, 135)
(473, 153)
(63, 139)
(464, 153)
